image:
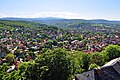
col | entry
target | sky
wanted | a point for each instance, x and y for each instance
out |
(70, 9)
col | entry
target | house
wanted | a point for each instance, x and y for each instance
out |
(110, 71)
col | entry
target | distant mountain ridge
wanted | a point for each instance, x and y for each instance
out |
(61, 19)
(62, 22)
(31, 19)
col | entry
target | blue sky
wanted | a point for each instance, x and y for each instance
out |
(78, 9)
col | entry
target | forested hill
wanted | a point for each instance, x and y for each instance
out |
(74, 23)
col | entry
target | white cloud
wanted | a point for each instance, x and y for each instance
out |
(67, 15)
(2, 15)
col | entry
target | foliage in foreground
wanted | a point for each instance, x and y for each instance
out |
(59, 64)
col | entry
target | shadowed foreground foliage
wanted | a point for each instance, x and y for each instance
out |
(59, 64)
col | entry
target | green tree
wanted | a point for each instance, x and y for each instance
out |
(76, 63)
(97, 58)
(3, 69)
(112, 51)
(93, 66)
(10, 58)
(17, 52)
(86, 60)
(53, 65)
(12, 76)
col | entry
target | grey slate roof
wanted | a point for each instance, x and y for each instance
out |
(110, 71)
